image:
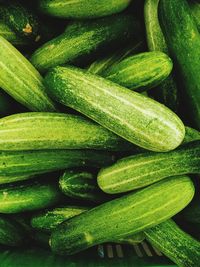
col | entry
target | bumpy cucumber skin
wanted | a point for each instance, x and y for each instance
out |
(129, 214)
(21, 80)
(134, 117)
(183, 40)
(180, 247)
(167, 93)
(82, 9)
(44, 130)
(15, 198)
(140, 72)
(146, 168)
(82, 38)
(27, 163)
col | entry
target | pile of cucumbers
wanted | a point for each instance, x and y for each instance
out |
(100, 125)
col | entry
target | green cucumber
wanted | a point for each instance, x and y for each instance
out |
(192, 212)
(21, 80)
(28, 196)
(134, 117)
(191, 135)
(183, 40)
(44, 130)
(83, 38)
(82, 9)
(167, 93)
(124, 216)
(149, 167)
(179, 246)
(5, 179)
(140, 72)
(82, 185)
(195, 9)
(28, 163)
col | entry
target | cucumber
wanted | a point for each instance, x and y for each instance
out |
(28, 196)
(140, 72)
(82, 185)
(137, 118)
(191, 135)
(82, 39)
(195, 9)
(44, 130)
(167, 93)
(21, 80)
(123, 216)
(183, 40)
(82, 9)
(146, 168)
(192, 212)
(28, 163)
(5, 179)
(179, 246)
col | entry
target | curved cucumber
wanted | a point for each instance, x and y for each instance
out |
(180, 247)
(82, 9)
(147, 168)
(81, 39)
(132, 116)
(21, 80)
(183, 40)
(43, 130)
(123, 216)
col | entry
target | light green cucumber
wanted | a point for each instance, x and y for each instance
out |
(136, 118)
(146, 168)
(124, 216)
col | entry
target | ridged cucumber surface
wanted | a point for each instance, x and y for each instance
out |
(134, 117)
(146, 168)
(123, 216)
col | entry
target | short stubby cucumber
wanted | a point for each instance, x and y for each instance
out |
(82, 9)
(44, 130)
(140, 72)
(21, 80)
(134, 117)
(28, 196)
(123, 216)
(83, 38)
(28, 163)
(172, 241)
(146, 168)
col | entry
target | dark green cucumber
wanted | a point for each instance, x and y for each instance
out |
(81, 39)
(21, 80)
(82, 185)
(195, 8)
(179, 246)
(43, 130)
(134, 117)
(146, 168)
(123, 216)
(27, 163)
(28, 196)
(183, 40)
(167, 93)
(140, 72)
(82, 9)
(192, 212)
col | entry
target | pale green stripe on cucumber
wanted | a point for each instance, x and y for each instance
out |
(134, 117)
(123, 216)
(146, 168)
(5, 179)
(179, 246)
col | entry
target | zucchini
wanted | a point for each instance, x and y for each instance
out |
(179, 246)
(21, 80)
(137, 118)
(192, 212)
(146, 168)
(140, 72)
(44, 130)
(28, 163)
(183, 40)
(28, 196)
(82, 185)
(123, 216)
(82, 9)
(167, 93)
(83, 38)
